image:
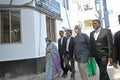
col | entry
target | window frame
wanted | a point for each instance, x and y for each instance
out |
(10, 23)
(50, 33)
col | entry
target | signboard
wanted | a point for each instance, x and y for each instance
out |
(98, 6)
(50, 7)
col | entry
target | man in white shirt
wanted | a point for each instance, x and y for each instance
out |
(101, 48)
(68, 56)
(62, 48)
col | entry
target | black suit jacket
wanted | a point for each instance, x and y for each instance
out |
(117, 46)
(71, 47)
(103, 46)
(62, 48)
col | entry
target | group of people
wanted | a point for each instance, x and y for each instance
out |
(81, 48)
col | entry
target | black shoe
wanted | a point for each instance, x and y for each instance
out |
(65, 76)
(72, 74)
(72, 78)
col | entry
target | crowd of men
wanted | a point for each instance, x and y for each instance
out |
(100, 44)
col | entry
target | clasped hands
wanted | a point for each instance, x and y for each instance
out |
(48, 50)
(113, 63)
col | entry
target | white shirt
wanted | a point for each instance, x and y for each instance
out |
(61, 41)
(97, 33)
(67, 46)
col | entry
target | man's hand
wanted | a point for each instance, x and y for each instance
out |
(90, 58)
(115, 65)
(63, 56)
(48, 50)
(110, 60)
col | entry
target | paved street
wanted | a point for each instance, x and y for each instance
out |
(113, 73)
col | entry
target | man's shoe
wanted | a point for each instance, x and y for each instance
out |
(72, 78)
(73, 74)
(65, 75)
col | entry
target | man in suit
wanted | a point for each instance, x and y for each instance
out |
(101, 48)
(117, 46)
(62, 48)
(68, 56)
(81, 51)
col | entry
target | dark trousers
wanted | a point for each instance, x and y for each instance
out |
(102, 64)
(64, 68)
(68, 59)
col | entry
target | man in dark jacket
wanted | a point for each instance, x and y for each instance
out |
(68, 56)
(117, 46)
(62, 48)
(101, 48)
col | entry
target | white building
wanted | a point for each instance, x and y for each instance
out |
(82, 12)
(24, 24)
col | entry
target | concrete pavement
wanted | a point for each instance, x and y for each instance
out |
(113, 73)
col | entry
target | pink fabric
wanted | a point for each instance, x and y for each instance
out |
(56, 60)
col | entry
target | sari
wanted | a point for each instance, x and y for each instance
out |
(52, 62)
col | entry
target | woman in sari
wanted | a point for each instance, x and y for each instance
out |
(52, 60)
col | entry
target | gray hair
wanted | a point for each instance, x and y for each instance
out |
(48, 39)
(78, 26)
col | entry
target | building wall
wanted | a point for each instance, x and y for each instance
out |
(114, 11)
(28, 57)
(40, 33)
(26, 48)
(33, 33)
(12, 69)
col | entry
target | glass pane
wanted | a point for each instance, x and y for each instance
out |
(5, 37)
(53, 29)
(48, 26)
(15, 26)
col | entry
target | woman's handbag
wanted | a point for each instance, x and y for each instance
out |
(91, 67)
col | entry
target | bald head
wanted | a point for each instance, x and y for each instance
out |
(77, 29)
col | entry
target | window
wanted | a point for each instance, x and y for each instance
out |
(50, 25)
(88, 23)
(88, 5)
(10, 26)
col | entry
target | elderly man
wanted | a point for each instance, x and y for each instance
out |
(81, 51)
